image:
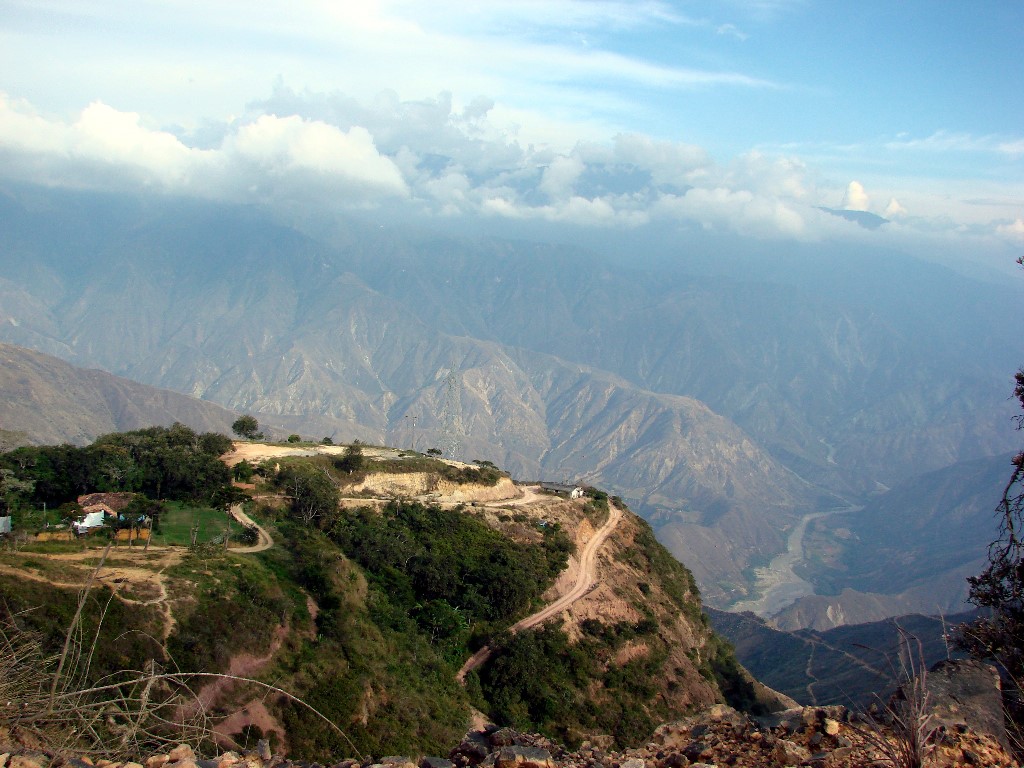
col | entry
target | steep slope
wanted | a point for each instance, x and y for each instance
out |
(794, 372)
(715, 499)
(853, 368)
(367, 611)
(265, 320)
(846, 665)
(54, 402)
(908, 550)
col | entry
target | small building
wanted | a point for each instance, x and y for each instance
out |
(89, 522)
(572, 491)
(96, 507)
(113, 503)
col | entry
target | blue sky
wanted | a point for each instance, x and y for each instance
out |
(739, 116)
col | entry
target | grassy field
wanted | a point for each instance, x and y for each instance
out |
(175, 527)
(179, 519)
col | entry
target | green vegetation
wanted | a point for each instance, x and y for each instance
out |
(371, 612)
(649, 556)
(452, 573)
(247, 427)
(177, 522)
(351, 461)
(355, 464)
(313, 493)
(369, 668)
(596, 509)
(719, 665)
(161, 462)
(538, 680)
(125, 632)
(238, 604)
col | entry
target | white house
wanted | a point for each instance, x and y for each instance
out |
(572, 491)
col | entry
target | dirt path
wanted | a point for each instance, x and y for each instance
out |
(586, 575)
(531, 495)
(264, 541)
(147, 579)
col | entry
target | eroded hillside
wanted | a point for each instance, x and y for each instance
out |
(367, 609)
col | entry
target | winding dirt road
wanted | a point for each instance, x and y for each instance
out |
(262, 543)
(586, 575)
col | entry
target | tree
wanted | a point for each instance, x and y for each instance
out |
(246, 427)
(243, 471)
(13, 491)
(314, 496)
(137, 512)
(224, 498)
(294, 438)
(1000, 587)
(433, 451)
(352, 460)
(227, 496)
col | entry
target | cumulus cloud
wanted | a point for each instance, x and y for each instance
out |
(856, 198)
(321, 153)
(560, 177)
(109, 148)
(772, 176)
(737, 210)
(280, 145)
(894, 210)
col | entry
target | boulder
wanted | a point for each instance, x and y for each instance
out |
(181, 752)
(967, 693)
(471, 750)
(788, 753)
(524, 757)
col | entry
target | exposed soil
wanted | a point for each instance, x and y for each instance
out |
(143, 583)
(584, 578)
(252, 713)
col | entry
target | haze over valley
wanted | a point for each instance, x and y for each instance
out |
(724, 407)
(624, 245)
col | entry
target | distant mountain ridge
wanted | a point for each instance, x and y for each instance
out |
(847, 665)
(722, 404)
(53, 402)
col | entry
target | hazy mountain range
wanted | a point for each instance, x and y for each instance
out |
(722, 393)
(53, 402)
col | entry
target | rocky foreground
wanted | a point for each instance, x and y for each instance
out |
(824, 737)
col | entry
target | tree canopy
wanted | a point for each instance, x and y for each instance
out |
(247, 427)
(161, 462)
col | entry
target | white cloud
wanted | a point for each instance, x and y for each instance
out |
(280, 145)
(945, 141)
(773, 176)
(101, 138)
(318, 154)
(1013, 230)
(108, 148)
(894, 210)
(1015, 147)
(560, 177)
(855, 199)
(669, 163)
(737, 210)
(731, 30)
